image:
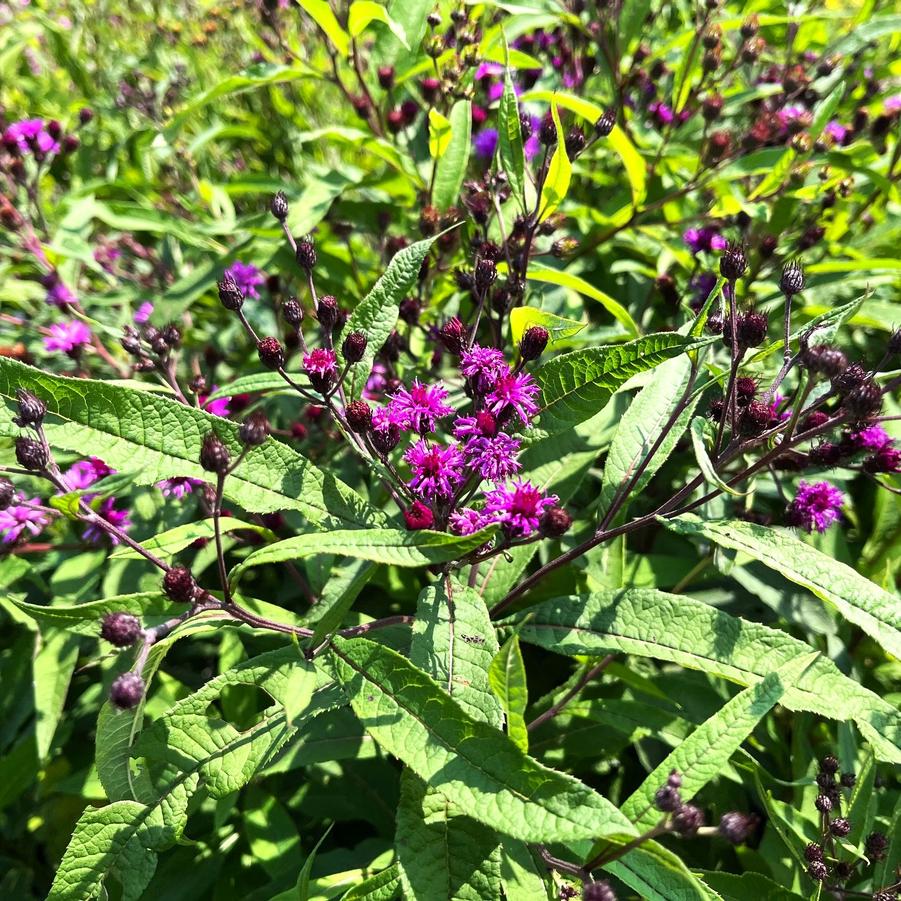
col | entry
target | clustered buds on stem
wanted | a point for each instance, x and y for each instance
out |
(31, 454)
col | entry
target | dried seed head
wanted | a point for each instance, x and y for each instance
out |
(179, 584)
(230, 294)
(254, 430)
(126, 691)
(31, 409)
(120, 629)
(214, 455)
(31, 454)
(279, 206)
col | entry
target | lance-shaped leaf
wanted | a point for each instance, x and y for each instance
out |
(376, 315)
(559, 172)
(690, 633)
(658, 874)
(859, 600)
(558, 327)
(455, 642)
(508, 681)
(509, 139)
(451, 167)
(440, 853)
(167, 544)
(157, 438)
(383, 886)
(705, 752)
(392, 546)
(700, 429)
(576, 385)
(475, 767)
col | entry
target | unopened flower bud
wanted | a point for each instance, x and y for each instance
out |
(359, 416)
(292, 312)
(792, 281)
(7, 493)
(555, 521)
(418, 516)
(840, 827)
(179, 585)
(306, 254)
(327, 312)
(271, 353)
(598, 891)
(278, 206)
(737, 827)
(230, 294)
(688, 819)
(750, 26)
(605, 123)
(575, 142)
(214, 455)
(876, 846)
(453, 335)
(126, 691)
(849, 379)
(254, 429)
(410, 310)
(386, 77)
(667, 799)
(120, 629)
(864, 402)
(823, 803)
(533, 343)
(733, 262)
(385, 440)
(712, 107)
(354, 347)
(31, 454)
(818, 871)
(485, 274)
(31, 409)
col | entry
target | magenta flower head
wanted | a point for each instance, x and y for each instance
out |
(68, 337)
(247, 277)
(437, 471)
(868, 438)
(84, 473)
(178, 487)
(494, 457)
(706, 238)
(321, 366)
(420, 407)
(816, 506)
(514, 393)
(30, 135)
(467, 520)
(107, 510)
(143, 313)
(483, 366)
(518, 507)
(217, 407)
(485, 143)
(59, 295)
(20, 518)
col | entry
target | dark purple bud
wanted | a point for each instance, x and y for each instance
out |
(823, 803)
(534, 341)
(824, 359)
(674, 780)
(745, 390)
(876, 846)
(31, 454)
(359, 416)
(278, 206)
(120, 629)
(547, 131)
(864, 402)
(386, 77)
(555, 521)
(31, 409)
(126, 691)
(849, 379)
(292, 312)
(85, 114)
(271, 353)
(598, 891)
(354, 347)
(829, 765)
(453, 335)
(754, 419)
(840, 827)
(171, 336)
(813, 852)
(418, 516)
(712, 107)
(230, 295)
(737, 827)
(7, 493)
(410, 310)
(254, 430)
(792, 281)
(575, 142)
(179, 584)
(385, 440)
(667, 799)
(733, 262)
(306, 254)
(826, 454)
(818, 871)
(606, 123)
(688, 819)
(214, 455)
(327, 312)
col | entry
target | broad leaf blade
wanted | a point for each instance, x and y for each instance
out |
(451, 168)
(508, 681)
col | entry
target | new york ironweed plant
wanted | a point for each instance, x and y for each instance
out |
(450, 453)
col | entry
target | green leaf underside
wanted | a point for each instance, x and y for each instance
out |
(391, 546)
(859, 600)
(157, 438)
(690, 633)
(707, 750)
(576, 385)
(474, 766)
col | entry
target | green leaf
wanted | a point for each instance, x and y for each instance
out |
(363, 13)
(859, 600)
(548, 276)
(699, 429)
(167, 544)
(454, 642)
(440, 853)
(558, 327)
(52, 668)
(451, 168)
(376, 315)
(397, 547)
(640, 427)
(383, 886)
(508, 681)
(705, 752)
(439, 134)
(321, 13)
(524, 878)
(157, 438)
(692, 634)
(657, 874)
(747, 887)
(576, 385)
(559, 173)
(475, 767)
(511, 157)
(338, 596)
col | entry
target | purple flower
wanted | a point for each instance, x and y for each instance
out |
(494, 458)
(143, 312)
(482, 425)
(485, 143)
(662, 114)
(776, 403)
(18, 518)
(489, 70)
(483, 366)
(376, 383)
(466, 521)
(420, 407)
(517, 392)
(217, 407)
(705, 238)
(321, 362)
(893, 103)
(248, 277)
(518, 507)
(84, 473)
(816, 506)
(107, 510)
(59, 295)
(836, 131)
(870, 438)
(178, 487)
(68, 337)
(30, 135)
(532, 146)
(437, 470)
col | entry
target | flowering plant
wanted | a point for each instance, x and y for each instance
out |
(474, 429)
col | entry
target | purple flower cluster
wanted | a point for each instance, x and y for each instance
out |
(816, 505)
(30, 136)
(21, 518)
(446, 473)
(68, 337)
(247, 277)
(705, 238)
